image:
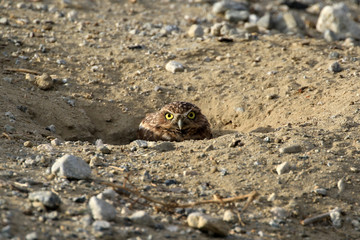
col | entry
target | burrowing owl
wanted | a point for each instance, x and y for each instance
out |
(177, 121)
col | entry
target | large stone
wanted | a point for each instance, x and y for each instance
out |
(101, 210)
(208, 224)
(72, 167)
(49, 199)
(337, 19)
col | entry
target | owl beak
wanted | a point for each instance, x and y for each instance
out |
(180, 124)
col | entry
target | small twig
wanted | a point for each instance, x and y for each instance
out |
(6, 135)
(316, 218)
(117, 168)
(23, 70)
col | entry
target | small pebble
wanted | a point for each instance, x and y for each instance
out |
(174, 67)
(341, 185)
(142, 218)
(230, 216)
(71, 167)
(31, 236)
(196, 31)
(283, 168)
(321, 191)
(28, 144)
(335, 67)
(101, 225)
(44, 82)
(291, 149)
(4, 21)
(335, 216)
(208, 224)
(51, 128)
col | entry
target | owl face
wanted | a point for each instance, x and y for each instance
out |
(181, 117)
(176, 121)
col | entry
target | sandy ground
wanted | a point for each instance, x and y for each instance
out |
(268, 93)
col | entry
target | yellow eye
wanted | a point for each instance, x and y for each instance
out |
(169, 116)
(191, 115)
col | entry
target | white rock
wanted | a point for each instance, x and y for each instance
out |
(71, 167)
(230, 216)
(174, 67)
(101, 225)
(337, 19)
(222, 6)
(279, 212)
(141, 217)
(335, 216)
(101, 210)
(341, 185)
(196, 31)
(208, 224)
(283, 168)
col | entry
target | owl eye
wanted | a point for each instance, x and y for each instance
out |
(191, 115)
(169, 116)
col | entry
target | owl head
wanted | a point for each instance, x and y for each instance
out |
(177, 121)
(181, 116)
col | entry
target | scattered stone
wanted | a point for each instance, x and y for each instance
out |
(341, 185)
(164, 146)
(49, 199)
(334, 55)
(101, 210)
(335, 216)
(321, 191)
(291, 149)
(96, 161)
(44, 82)
(28, 144)
(209, 148)
(101, 225)
(51, 128)
(101, 147)
(337, 19)
(170, 182)
(335, 67)
(10, 115)
(174, 67)
(141, 217)
(271, 197)
(283, 168)
(208, 224)
(71, 167)
(222, 6)
(236, 16)
(4, 21)
(141, 143)
(55, 142)
(196, 31)
(215, 29)
(230, 216)
(31, 236)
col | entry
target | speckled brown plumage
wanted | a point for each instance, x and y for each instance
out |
(177, 121)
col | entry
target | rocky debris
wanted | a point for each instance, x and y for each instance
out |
(101, 210)
(279, 212)
(341, 185)
(291, 149)
(49, 199)
(142, 218)
(101, 147)
(71, 167)
(335, 216)
(320, 191)
(174, 67)
(336, 18)
(230, 217)
(162, 146)
(335, 67)
(236, 16)
(283, 168)
(44, 82)
(223, 6)
(195, 31)
(208, 224)
(101, 225)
